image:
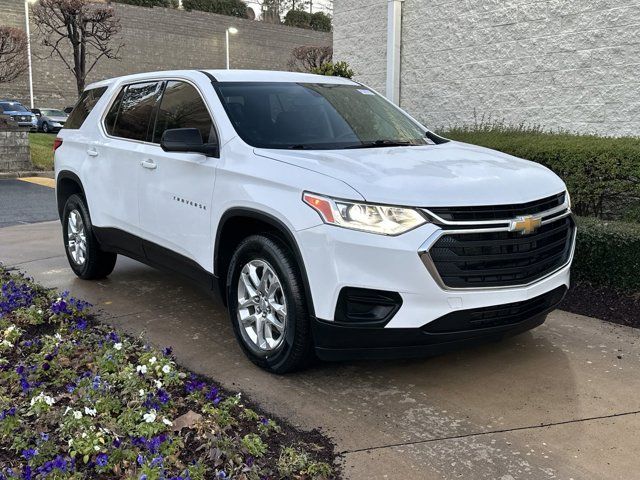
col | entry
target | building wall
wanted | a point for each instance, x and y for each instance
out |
(161, 39)
(561, 64)
(14, 150)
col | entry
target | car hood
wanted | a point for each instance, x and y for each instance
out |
(57, 119)
(449, 174)
(15, 112)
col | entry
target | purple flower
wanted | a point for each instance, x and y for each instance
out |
(44, 436)
(163, 396)
(81, 324)
(143, 477)
(48, 357)
(102, 459)
(26, 472)
(20, 369)
(113, 337)
(212, 394)
(9, 412)
(116, 443)
(46, 366)
(29, 453)
(24, 384)
(140, 460)
(167, 351)
(264, 421)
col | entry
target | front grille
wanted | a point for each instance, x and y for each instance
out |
(496, 316)
(498, 259)
(498, 212)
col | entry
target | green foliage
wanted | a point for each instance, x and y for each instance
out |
(338, 69)
(147, 3)
(601, 173)
(296, 459)
(233, 8)
(319, 21)
(608, 253)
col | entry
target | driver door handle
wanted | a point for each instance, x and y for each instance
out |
(148, 163)
(92, 152)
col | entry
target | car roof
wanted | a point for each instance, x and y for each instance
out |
(232, 76)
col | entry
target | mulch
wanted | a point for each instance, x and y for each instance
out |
(604, 303)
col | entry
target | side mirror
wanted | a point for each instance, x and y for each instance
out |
(187, 140)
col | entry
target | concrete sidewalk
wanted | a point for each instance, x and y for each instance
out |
(559, 402)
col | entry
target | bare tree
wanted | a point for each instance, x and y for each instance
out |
(80, 32)
(310, 57)
(13, 53)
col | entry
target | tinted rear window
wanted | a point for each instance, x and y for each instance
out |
(84, 106)
(131, 114)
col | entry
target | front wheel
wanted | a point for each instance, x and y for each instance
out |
(85, 257)
(267, 305)
(45, 127)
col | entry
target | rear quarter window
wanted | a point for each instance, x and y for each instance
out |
(83, 108)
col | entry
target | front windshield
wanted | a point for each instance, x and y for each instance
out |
(315, 116)
(47, 112)
(12, 107)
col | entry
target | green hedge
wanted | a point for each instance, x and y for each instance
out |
(602, 174)
(233, 8)
(314, 21)
(608, 253)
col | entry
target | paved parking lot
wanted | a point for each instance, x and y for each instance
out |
(23, 201)
(558, 402)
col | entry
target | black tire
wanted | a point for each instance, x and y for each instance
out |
(45, 127)
(97, 263)
(296, 350)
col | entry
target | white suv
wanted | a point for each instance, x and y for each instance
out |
(333, 224)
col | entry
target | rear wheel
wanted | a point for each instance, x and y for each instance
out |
(267, 305)
(85, 257)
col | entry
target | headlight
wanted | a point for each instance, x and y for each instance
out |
(380, 219)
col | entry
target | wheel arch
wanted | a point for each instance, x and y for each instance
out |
(67, 184)
(252, 221)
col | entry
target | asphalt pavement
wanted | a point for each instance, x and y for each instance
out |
(23, 201)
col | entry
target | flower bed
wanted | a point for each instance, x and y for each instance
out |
(79, 400)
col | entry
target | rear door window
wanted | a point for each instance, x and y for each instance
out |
(83, 108)
(131, 114)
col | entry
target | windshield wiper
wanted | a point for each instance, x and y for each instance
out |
(382, 143)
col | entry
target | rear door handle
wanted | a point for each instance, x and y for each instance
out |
(92, 152)
(150, 164)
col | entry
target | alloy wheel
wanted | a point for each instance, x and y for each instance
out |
(76, 238)
(262, 308)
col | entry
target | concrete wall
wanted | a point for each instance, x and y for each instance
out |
(161, 39)
(570, 64)
(14, 150)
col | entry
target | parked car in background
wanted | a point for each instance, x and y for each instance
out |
(19, 114)
(50, 119)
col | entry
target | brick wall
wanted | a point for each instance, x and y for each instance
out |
(14, 150)
(557, 63)
(162, 39)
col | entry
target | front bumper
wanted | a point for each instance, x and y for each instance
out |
(336, 258)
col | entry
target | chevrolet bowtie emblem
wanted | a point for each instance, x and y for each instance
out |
(525, 225)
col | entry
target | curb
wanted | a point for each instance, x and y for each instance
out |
(46, 174)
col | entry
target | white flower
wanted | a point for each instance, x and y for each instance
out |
(90, 411)
(43, 398)
(39, 311)
(96, 448)
(141, 369)
(158, 383)
(153, 360)
(117, 346)
(182, 375)
(7, 343)
(58, 337)
(150, 417)
(166, 369)
(66, 410)
(141, 392)
(77, 415)
(167, 421)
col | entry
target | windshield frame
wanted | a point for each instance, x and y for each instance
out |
(427, 138)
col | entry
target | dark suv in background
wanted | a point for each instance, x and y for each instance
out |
(17, 114)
